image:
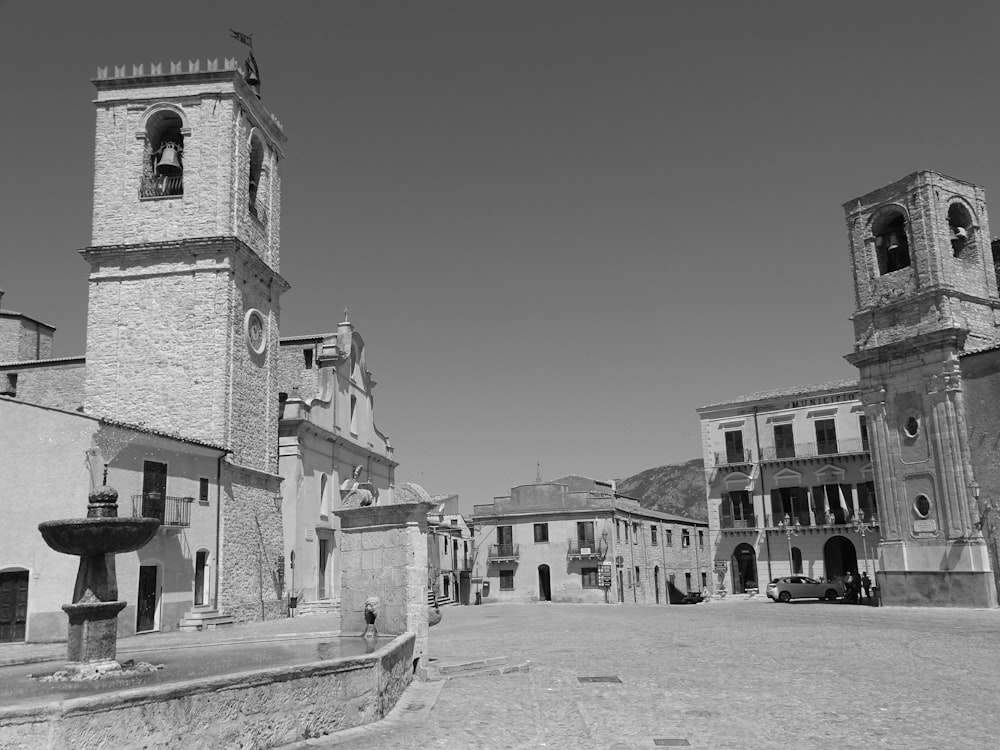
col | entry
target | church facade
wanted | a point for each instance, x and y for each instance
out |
(185, 381)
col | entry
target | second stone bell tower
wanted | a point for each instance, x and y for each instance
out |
(182, 329)
(925, 293)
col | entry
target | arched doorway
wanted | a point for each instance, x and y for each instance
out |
(656, 582)
(544, 586)
(839, 556)
(744, 568)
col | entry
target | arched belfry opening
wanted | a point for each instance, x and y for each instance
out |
(891, 244)
(163, 166)
(960, 229)
(256, 175)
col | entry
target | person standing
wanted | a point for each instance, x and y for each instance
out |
(848, 588)
(866, 584)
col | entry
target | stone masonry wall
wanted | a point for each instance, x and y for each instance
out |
(252, 546)
(52, 385)
(23, 339)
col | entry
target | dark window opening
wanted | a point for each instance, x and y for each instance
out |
(826, 436)
(307, 356)
(685, 538)
(784, 441)
(9, 384)
(652, 534)
(202, 490)
(734, 447)
(863, 424)
(584, 533)
(506, 580)
(256, 171)
(589, 578)
(891, 244)
(541, 532)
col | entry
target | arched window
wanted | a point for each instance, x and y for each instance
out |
(960, 228)
(256, 174)
(324, 496)
(891, 244)
(163, 165)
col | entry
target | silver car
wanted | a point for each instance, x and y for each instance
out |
(801, 587)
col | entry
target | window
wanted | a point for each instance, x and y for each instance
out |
(505, 535)
(256, 173)
(685, 538)
(784, 441)
(704, 579)
(307, 356)
(737, 511)
(154, 489)
(203, 491)
(9, 387)
(638, 580)
(354, 415)
(734, 447)
(626, 532)
(892, 248)
(506, 580)
(960, 227)
(922, 506)
(585, 533)
(668, 536)
(826, 436)
(911, 427)
(687, 581)
(652, 534)
(541, 533)
(863, 426)
(618, 530)
(635, 532)
(701, 538)
(589, 578)
(796, 560)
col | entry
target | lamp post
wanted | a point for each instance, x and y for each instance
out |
(789, 531)
(862, 528)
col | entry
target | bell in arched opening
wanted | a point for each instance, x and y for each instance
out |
(169, 162)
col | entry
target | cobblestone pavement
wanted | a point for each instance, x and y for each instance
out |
(746, 674)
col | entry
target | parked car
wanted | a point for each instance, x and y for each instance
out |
(692, 597)
(801, 587)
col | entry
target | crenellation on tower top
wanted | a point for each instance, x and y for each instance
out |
(194, 67)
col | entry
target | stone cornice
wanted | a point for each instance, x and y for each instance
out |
(300, 427)
(944, 338)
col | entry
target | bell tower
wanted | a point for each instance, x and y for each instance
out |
(925, 292)
(182, 328)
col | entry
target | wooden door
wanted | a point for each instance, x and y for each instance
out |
(13, 605)
(146, 601)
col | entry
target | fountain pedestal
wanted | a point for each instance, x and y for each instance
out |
(93, 615)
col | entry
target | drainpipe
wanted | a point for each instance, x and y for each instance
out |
(663, 555)
(218, 528)
(631, 558)
(763, 497)
(645, 563)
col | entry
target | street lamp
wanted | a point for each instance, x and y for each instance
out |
(862, 528)
(789, 530)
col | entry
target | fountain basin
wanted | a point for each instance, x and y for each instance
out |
(98, 536)
(252, 708)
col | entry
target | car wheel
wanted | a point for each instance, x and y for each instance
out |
(831, 595)
(784, 597)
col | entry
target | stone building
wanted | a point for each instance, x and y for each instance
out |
(329, 447)
(451, 541)
(790, 486)
(577, 540)
(925, 302)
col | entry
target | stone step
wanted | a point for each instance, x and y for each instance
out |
(318, 607)
(497, 665)
(204, 619)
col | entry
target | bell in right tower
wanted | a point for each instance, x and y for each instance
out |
(925, 293)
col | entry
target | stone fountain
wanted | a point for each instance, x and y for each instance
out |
(96, 539)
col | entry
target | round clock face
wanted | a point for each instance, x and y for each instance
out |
(254, 325)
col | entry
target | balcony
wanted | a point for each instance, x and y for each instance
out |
(787, 452)
(173, 512)
(503, 553)
(747, 522)
(734, 458)
(583, 549)
(161, 186)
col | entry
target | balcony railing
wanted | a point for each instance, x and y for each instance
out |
(811, 450)
(500, 552)
(583, 549)
(748, 522)
(731, 458)
(172, 511)
(161, 186)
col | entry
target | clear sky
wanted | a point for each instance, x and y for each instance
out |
(559, 226)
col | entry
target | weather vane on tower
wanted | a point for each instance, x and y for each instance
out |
(252, 70)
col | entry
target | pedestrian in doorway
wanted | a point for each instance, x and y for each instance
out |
(848, 588)
(866, 584)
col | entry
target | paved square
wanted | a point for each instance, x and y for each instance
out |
(734, 674)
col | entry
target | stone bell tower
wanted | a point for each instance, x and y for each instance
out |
(182, 329)
(925, 292)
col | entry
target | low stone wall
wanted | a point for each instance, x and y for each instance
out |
(259, 709)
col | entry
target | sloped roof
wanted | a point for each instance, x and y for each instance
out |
(835, 385)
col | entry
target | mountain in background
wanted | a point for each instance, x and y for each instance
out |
(674, 488)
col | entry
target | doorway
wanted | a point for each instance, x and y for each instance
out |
(200, 578)
(744, 565)
(839, 556)
(145, 620)
(656, 582)
(13, 605)
(544, 585)
(621, 587)
(324, 556)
